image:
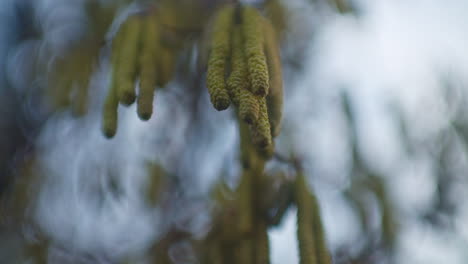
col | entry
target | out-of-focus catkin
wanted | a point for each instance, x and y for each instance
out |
(148, 66)
(275, 95)
(110, 113)
(127, 68)
(256, 60)
(278, 15)
(166, 66)
(86, 62)
(219, 55)
(305, 234)
(111, 104)
(245, 252)
(312, 244)
(244, 192)
(262, 244)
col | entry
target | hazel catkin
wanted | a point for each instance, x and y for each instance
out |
(238, 77)
(262, 245)
(256, 60)
(245, 193)
(238, 82)
(219, 54)
(260, 130)
(110, 113)
(275, 95)
(166, 66)
(148, 67)
(128, 53)
(312, 244)
(111, 104)
(305, 233)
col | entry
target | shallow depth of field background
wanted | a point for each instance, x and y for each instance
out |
(401, 66)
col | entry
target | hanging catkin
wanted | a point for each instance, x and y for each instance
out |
(219, 55)
(111, 104)
(238, 83)
(110, 113)
(275, 95)
(166, 66)
(128, 53)
(245, 194)
(312, 244)
(261, 134)
(262, 244)
(256, 60)
(148, 66)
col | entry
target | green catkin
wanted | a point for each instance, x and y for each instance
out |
(388, 224)
(246, 147)
(245, 251)
(219, 55)
(167, 63)
(80, 103)
(277, 14)
(238, 78)
(260, 130)
(238, 82)
(275, 95)
(61, 83)
(111, 104)
(148, 67)
(245, 203)
(307, 244)
(249, 107)
(128, 57)
(256, 60)
(262, 247)
(321, 250)
(312, 244)
(110, 113)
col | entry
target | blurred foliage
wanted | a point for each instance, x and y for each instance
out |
(238, 49)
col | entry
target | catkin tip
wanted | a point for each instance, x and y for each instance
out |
(144, 116)
(221, 103)
(108, 132)
(127, 97)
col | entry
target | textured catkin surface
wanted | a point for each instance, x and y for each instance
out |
(275, 95)
(256, 60)
(218, 59)
(261, 135)
(238, 77)
(238, 83)
(148, 66)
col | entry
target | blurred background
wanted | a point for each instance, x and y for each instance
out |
(374, 103)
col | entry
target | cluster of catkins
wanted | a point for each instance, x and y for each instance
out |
(244, 68)
(139, 54)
